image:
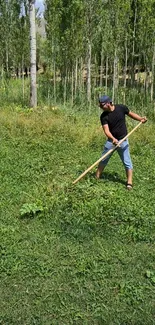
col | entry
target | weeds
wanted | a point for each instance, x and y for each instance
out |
(30, 209)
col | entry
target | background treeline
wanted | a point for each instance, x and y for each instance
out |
(91, 47)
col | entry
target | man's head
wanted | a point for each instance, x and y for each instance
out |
(104, 102)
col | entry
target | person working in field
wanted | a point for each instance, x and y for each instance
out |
(114, 127)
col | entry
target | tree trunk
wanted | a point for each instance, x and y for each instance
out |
(65, 88)
(126, 63)
(23, 81)
(95, 76)
(152, 83)
(125, 69)
(72, 88)
(76, 77)
(89, 75)
(101, 69)
(54, 81)
(81, 79)
(106, 76)
(33, 85)
(115, 76)
(147, 80)
(133, 45)
(7, 59)
(2, 73)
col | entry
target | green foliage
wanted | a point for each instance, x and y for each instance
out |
(14, 33)
(113, 40)
(30, 209)
(151, 276)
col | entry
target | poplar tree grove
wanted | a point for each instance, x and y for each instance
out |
(91, 47)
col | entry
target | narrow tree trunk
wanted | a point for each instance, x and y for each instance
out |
(72, 87)
(19, 72)
(126, 64)
(23, 81)
(48, 96)
(152, 83)
(7, 59)
(76, 77)
(147, 80)
(106, 75)
(2, 73)
(113, 88)
(133, 44)
(33, 85)
(81, 75)
(6, 40)
(89, 75)
(101, 70)
(65, 89)
(95, 72)
(145, 76)
(115, 76)
(81, 80)
(125, 69)
(54, 81)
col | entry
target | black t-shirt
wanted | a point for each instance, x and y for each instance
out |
(116, 121)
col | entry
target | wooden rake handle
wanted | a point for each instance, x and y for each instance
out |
(108, 153)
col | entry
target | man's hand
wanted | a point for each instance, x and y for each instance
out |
(115, 141)
(144, 119)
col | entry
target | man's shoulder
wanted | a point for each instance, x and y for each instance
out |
(104, 114)
(122, 106)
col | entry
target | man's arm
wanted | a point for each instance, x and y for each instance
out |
(109, 134)
(137, 117)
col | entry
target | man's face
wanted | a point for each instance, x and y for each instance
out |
(104, 106)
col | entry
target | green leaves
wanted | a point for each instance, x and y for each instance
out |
(30, 209)
(151, 276)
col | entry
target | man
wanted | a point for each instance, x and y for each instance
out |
(114, 127)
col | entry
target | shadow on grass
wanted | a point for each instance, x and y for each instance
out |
(111, 177)
(29, 215)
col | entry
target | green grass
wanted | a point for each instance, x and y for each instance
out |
(86, 254)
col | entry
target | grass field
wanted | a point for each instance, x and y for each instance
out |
(81, 254)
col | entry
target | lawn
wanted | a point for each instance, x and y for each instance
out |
(74, 254)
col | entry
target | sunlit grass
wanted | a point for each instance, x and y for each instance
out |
(86, 254)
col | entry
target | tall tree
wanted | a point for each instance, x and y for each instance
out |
(9, 18)
(33, 84)
(92, 10)
(146, 43)
(110, 35)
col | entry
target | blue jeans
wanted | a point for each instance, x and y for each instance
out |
(123, 152)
